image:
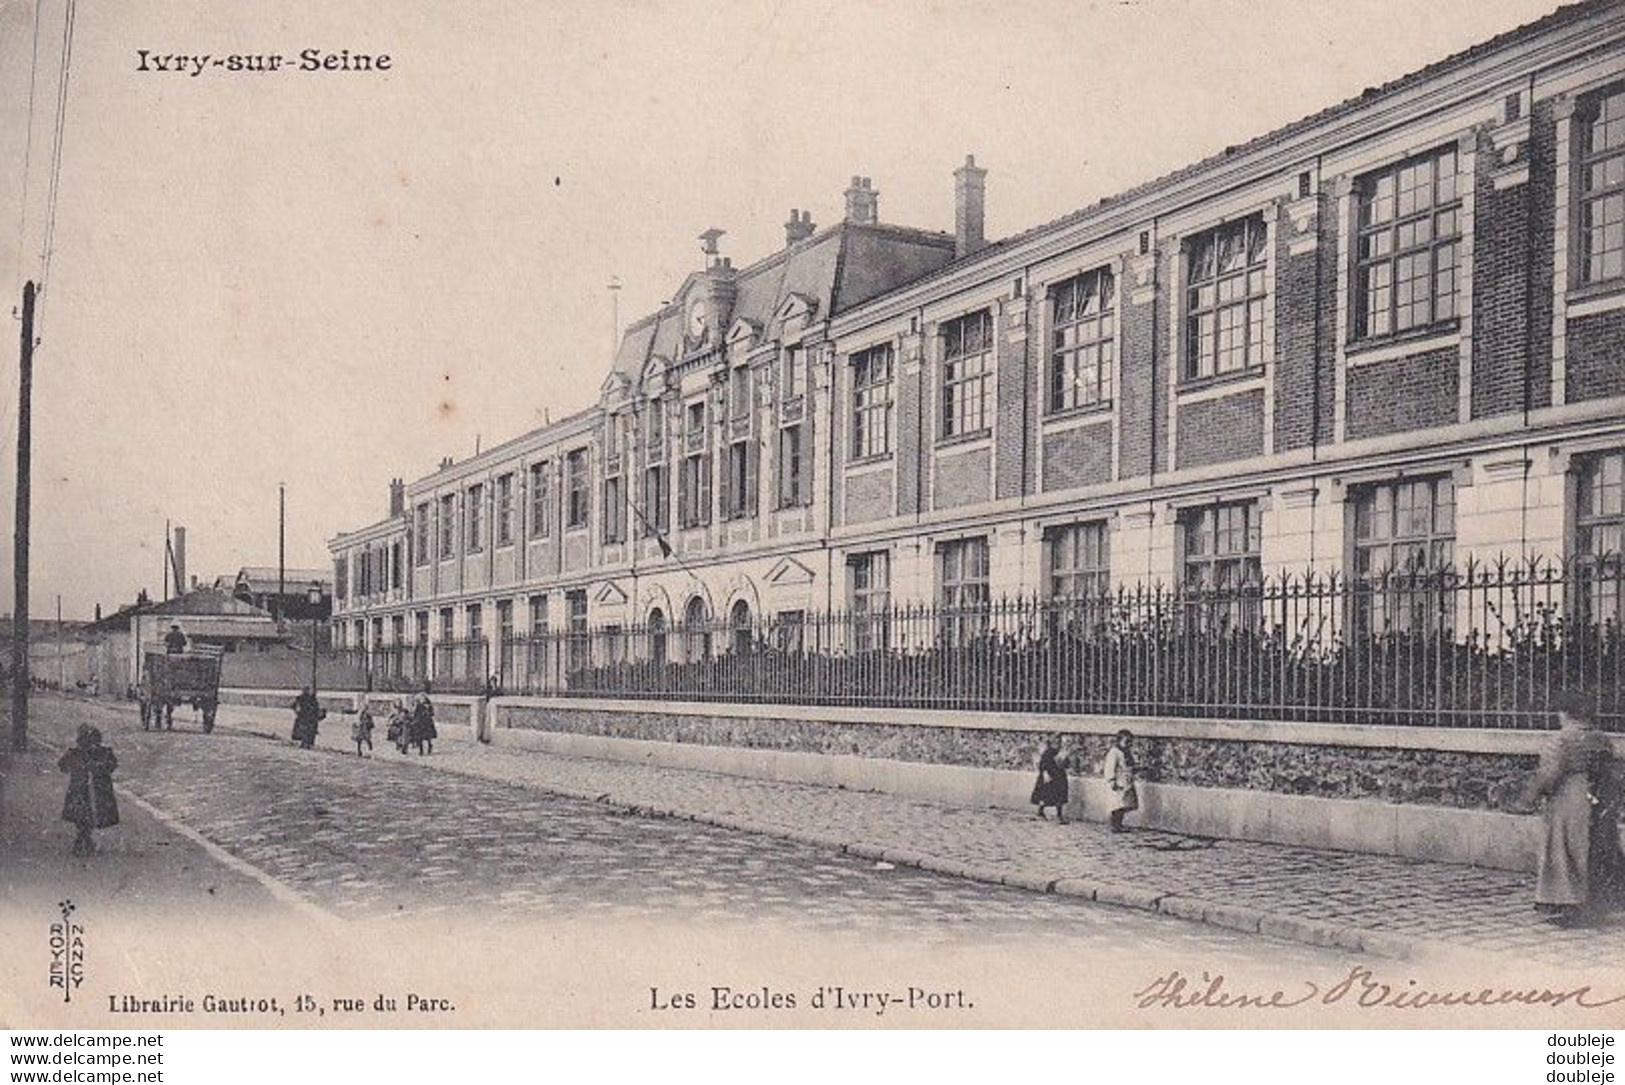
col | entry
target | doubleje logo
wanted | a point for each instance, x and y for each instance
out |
(67, 952)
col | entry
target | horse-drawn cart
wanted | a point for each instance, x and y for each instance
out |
(169, 679)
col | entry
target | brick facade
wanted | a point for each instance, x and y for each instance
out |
(868, 497)
(1081, 456)
(1403, 394)
(1503, 241)
(962, 478)
(1139, 397)
(1014, 396)
(1222, 429)
(1305, 326)
(1596, 358)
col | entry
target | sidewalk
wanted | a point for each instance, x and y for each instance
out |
(149, 889)
(148, 869)
(1376, 904)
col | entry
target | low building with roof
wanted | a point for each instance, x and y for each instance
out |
(282, 592)
(206, 616)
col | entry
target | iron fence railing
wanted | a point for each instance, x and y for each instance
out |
(1485, 646)
(1488, 646)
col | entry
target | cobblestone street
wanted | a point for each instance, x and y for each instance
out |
(1388, 905)
(388, 836)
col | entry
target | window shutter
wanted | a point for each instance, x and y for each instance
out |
(725, 485)
(804, 483)
(704, 509)
(752, 489)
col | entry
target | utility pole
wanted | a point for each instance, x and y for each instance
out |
(281, 547)
(19, 633)
(61, 675)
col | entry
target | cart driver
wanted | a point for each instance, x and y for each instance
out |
(174, 641)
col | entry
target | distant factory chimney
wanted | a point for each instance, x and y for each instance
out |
(180, 560)
(970, 207)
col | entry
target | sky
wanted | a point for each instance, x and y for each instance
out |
(327, 280)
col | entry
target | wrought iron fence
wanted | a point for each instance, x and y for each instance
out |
(1486, 646)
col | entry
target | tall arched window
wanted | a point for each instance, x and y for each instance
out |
(657, 637)
(696, 627)
(739, 626)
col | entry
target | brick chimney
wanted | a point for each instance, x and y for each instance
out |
(862, 202)
(970, 205)
(397, 497)
(799, 228)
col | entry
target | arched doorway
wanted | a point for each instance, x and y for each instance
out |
(739, 626)
(696, 629)
(657, 637)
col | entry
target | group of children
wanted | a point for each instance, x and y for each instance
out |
(408, 727)
(1118, 769)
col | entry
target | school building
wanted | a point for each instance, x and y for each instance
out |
(1387, 337)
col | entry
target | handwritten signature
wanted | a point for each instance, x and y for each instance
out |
(1361, 988)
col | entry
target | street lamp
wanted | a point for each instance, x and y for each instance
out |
(314, 598)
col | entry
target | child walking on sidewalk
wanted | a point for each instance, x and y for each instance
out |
(361, 729)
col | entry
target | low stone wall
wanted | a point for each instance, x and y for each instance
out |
(1422, 793)
(1488, 779)
(283, 698)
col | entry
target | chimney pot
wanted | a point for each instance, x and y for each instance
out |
(862, 202)
(799, 228)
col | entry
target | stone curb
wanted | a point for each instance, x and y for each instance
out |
(1292, 928)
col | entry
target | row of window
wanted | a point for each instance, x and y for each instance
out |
(651, 513)
(1408, 234)
(1408, 227)
(377, 569)
(1403, 527)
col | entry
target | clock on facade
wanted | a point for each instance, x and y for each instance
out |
(698, 319)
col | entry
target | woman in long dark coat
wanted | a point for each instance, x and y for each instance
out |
(307, 714)
(1051, 788)
(423, 731)
(90, 803)
(1579, 866)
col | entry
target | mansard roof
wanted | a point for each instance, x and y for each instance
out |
(835, 269)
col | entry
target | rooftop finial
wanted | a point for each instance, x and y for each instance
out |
(708, 243)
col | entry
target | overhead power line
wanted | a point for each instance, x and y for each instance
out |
(63, 83)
